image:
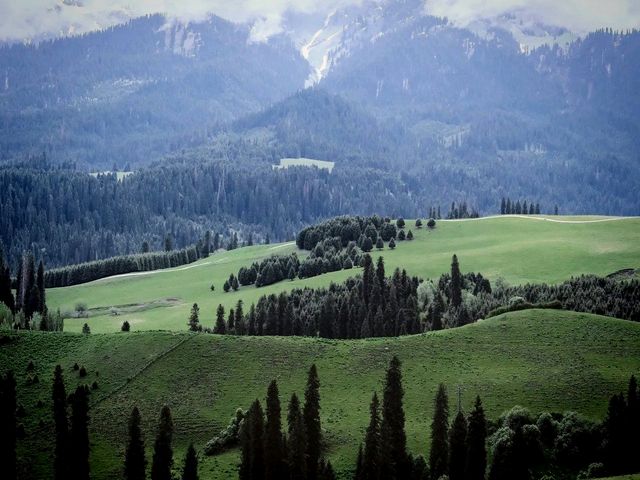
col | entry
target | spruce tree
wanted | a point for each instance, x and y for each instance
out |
(8, 459)
(162, 448)
(456, 283)
(359, 474)
(256, 467)
(476, 443)
(439, 454)
(367, 278)
(40, 287)
(6, 295)
(135, 463)
(220, 326)
(458, 447)
(311, 415)
(393, 438)
(296, 441)
(379, 243)
(59, 396)
(371, 457)
(190, 469)
(79, 439)
(273, 448)
(194, 318)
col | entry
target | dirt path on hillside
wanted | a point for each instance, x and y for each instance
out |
(543, 219)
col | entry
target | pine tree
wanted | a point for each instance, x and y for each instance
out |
(79, 438)
(135, 463)
(162, 449)
(311, 415)
(367, 245)
(8, 459)
(273, 448)
(379, 243)
(458, 447)
(19, 300)
(359, 474)
(503, 206)
(456, 283)
(296, 440)
(6, 295)
(59, 396)
(476, 443)
(392, 434)
(367, 278)
(40, 287)
(392, 244)
(190, 469)
(371, 457)
(168, 243)
(220, 326)
(194, 318)
(256, 443)
(439, 454)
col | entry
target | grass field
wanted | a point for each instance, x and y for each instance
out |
(541, 359)
(518, 249)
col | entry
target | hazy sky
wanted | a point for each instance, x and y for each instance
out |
(21, 19)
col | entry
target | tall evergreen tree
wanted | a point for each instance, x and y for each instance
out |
(359, 474)
(458, 447)
(476, 443)
(194, 318)
(371, 457)
(19, 287)
(79, 438)
(162, 448)
(273, 448)
(135, 463)
(190, 469)
(456, 283)
(59, 394)
(439, 454)
(257, 443)
(367, 277)
(220, 326)
(311, 415)
(296, 441)
(393, 438)
(40, 287)
(8, 459)
(6, 295)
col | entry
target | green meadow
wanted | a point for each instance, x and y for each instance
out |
(518, 250)
(545, 360)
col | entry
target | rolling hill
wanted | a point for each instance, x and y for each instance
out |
(519, 250)
(543, 360)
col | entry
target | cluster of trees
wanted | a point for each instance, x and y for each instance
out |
(270, 270)
(370, 305)
(458, 452)
(507, 207)
(461, 211)
(347, 228)
(271, 454)
(457, 299)
(28, 308)
(72, 445)
(140, 262)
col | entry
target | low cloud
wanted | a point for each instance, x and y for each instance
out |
(34, 19)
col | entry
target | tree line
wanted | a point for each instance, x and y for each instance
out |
(507, 207)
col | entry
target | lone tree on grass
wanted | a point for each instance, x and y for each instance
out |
(370, 458)
(418, 223)
(393, 438)
(439, 454)
(162, 449)
(190, 470)
(61, 423)
(456, 283)
(79, 448)
(220, 326)
(431, 223)
(311, 415)
(135, 463)
(194, 318)
(392, 244)
(379, 243)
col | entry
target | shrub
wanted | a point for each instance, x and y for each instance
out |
(94, 385)
(82, 372)
(228, 437)
(6, 317)
(431, 223)
(85, 329)
(125, 326)
(76, 367)
(400, 223)
(81, 309)
(418, 223)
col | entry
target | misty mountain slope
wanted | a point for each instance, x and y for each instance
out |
(134, 91)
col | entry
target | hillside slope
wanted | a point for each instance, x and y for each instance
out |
(543, 360)
(520, 250)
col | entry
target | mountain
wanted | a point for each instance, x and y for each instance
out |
(133, 92)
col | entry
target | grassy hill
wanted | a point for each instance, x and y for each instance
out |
(541, 359)
(519, 249)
